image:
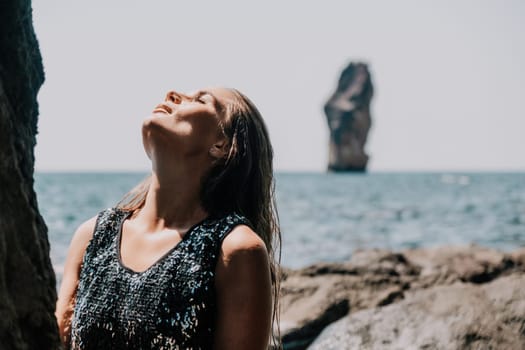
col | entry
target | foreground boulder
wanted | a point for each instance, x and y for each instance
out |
(459, 316)
(316, 296)
(348, 115)
(27, 281)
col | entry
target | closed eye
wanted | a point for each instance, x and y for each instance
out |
(198, 97)
(206, 97)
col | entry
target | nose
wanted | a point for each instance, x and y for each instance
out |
(173, 96)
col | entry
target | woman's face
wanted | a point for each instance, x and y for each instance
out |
(188, 124)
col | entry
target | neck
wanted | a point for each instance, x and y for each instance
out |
(173, 199)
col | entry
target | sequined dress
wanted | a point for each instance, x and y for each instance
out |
(171, 305)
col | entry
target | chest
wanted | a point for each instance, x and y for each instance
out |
(139, 251)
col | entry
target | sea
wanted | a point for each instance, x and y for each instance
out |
(325, 217)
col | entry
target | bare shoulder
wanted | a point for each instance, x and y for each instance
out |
(242, 242)
(66, 294)
(84, 233)
(243, 259)
(76, 251)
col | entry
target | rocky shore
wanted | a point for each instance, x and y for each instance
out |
(466, 297)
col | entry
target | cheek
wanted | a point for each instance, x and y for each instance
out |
(205, 127)
(199, 131)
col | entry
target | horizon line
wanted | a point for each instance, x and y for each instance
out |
(277, 171)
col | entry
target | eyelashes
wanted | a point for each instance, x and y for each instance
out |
(198, 98)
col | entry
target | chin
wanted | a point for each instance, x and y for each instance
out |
(152, 122)
(152, 117)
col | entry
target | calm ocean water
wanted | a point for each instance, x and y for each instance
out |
(325, 217)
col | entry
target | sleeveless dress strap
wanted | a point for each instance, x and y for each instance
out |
(107, 225)
(229, 222)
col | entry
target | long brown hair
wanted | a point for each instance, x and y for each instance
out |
(243, 182)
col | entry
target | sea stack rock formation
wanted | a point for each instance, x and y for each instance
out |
(27, 280)
(349, 120)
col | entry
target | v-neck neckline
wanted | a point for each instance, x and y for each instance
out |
(159, 260)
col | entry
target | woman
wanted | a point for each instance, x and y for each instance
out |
(186, 260)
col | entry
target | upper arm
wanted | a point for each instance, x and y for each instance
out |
(244, 297)
(68, 287)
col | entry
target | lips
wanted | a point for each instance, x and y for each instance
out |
(163, 108)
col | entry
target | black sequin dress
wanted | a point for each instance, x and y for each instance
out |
(171, 305)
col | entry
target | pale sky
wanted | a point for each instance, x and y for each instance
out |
(449, 76)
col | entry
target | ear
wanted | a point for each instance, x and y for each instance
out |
(219, 149)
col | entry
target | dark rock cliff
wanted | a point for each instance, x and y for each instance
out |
(27, 280)
(349, 120)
